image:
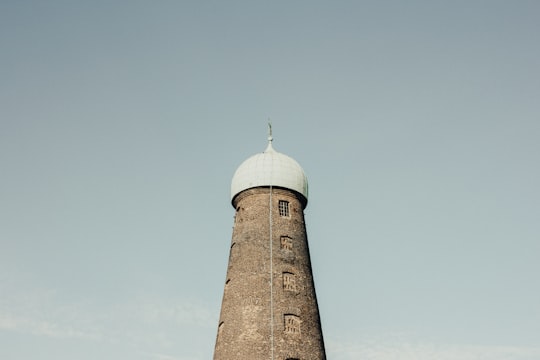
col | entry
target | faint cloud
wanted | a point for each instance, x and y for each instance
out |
(19, 323)
(180, 312)
(409, 350)
(149, 324)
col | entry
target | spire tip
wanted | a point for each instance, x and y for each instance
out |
(270, 138)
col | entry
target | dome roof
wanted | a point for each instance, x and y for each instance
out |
(269, 168)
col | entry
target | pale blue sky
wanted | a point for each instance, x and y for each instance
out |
(417, 123)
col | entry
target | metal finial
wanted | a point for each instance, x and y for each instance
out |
(270, 138)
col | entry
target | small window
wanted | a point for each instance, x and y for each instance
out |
(283, 208)
(289, 281)
(220, 328)
(292, 324)
(233, 252)
(286, 243)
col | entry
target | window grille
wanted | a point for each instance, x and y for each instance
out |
(286, 243)
(283, 208)
(292, 324)
(289, 282)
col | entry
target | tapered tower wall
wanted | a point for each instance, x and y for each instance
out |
(269, 308)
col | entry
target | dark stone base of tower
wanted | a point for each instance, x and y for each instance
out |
(269, 309)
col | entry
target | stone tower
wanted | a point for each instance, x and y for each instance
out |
(269, 309)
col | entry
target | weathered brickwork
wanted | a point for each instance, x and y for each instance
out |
(245, 325)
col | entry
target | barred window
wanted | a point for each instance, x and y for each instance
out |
(286, 243)
(289, 281)
(292, 324)
(283, 208)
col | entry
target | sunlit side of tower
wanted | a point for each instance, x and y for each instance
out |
(269, 308)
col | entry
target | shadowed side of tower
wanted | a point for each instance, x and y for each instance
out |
(269, 308)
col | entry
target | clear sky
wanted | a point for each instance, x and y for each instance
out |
(417, 123)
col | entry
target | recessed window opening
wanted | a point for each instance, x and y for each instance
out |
(283, 208)
(286, 243)
(220, 328)
(289, 281)
(292, 324)
(233, 252)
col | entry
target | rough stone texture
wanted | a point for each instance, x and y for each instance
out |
(244, 330)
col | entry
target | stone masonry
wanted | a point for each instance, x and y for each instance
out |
(252, 296)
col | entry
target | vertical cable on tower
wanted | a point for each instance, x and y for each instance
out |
(271, 258)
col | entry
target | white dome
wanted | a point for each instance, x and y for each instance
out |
(269, 168)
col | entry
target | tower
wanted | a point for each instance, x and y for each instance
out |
(269, 309)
